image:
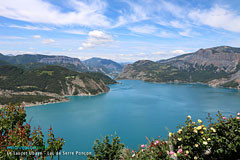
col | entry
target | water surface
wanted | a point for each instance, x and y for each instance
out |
(133, 109)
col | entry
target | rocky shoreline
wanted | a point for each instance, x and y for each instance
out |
(43, 103)
(53, 98)
(210, 84)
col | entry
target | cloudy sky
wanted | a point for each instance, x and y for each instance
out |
(121, 30)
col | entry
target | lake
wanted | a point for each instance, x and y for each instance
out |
(134, 109)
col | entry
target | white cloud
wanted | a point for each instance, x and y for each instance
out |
(96, 38)
(157, 53)
(177, 24)
(79, 32)
(185, 33)
(149, 10)
(31, 27)
(217, 17)
(141, 54)
(175, 10)
(37, 36)
(178, 51)
(15, 52)
(48, 41)
(165, 34)
(135, 13)
(146, 29)
(11, 37)
(85, 13)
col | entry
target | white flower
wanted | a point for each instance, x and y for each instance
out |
(205, 143)
(214, 130)
(179, 131)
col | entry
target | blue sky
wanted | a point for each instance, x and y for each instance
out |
(121, 30)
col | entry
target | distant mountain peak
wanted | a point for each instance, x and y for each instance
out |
(105, 66)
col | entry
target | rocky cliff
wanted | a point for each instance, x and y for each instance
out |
(218, 66)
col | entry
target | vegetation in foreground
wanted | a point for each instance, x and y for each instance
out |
(16, 137)
(220, 140)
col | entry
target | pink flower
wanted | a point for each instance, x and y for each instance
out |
(132, 151)
(142, 145)
(237, 117)
(224, 118)
(157, 141)
(171, 153)
(180, 150)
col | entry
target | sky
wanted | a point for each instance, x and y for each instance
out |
(121, 30)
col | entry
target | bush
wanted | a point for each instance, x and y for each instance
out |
(16, 136)
(220, 140)
(107, 150)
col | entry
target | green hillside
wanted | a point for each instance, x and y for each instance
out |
(49, 79)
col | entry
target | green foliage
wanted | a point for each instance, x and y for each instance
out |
(54, 145)
(47, 79)
(157, 149)
(100, 76)
(231, 84)
(160, 72)
(220, 140)
(53, 79)
(106, 149)
(14, 99)
(2, 63)
(226, 140)
(16, 136)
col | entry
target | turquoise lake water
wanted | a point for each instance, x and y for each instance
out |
(133, 109)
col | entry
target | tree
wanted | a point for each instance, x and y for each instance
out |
(18, 142)
(107, 150)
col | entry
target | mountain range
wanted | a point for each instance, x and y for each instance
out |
(217, 66)
(105, 66)
(28, 61)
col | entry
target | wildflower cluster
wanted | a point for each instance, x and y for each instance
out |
(193, 140)
(156, 149)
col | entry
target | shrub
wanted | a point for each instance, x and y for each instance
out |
(220, 140)
(16, 136)
(106, 149)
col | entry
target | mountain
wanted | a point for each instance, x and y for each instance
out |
(3, 63)
(105, 66)
(48, 84)
(32, 60)
(218, 66)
